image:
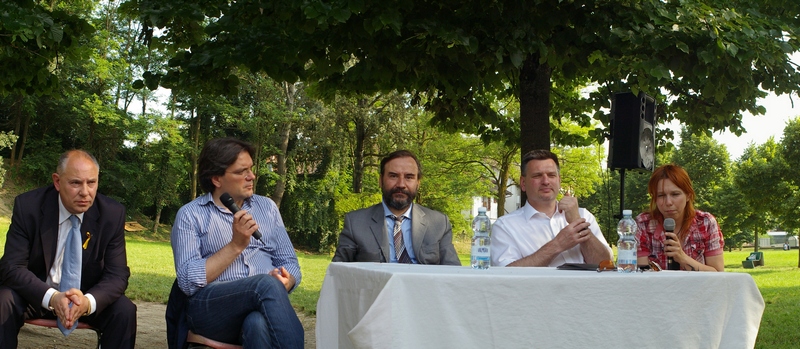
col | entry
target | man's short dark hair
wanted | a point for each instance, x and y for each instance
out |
(401, 154)
(538, 154)
(217, 155)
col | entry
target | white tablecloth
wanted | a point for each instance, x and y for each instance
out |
(371, 305)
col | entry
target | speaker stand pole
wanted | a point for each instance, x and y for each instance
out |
(621, 192)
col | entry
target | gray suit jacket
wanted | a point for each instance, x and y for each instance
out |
(364, 237)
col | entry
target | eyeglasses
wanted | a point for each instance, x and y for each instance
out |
(243, 172)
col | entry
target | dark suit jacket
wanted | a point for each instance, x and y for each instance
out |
(364, 237)
(31, 247)
(177, 326)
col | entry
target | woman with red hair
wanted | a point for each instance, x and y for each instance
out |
(696, 243)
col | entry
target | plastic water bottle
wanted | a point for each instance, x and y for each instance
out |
(481, 256)
(627, 244)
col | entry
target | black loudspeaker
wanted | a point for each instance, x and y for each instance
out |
(632, 144)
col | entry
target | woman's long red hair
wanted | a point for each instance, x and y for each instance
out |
(681, 179)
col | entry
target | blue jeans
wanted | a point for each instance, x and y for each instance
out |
(254, 311)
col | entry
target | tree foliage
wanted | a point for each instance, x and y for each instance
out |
(790, 153)
(758, 176)
(709, 166)
(36, 38)
(705, 61)
(325, 89)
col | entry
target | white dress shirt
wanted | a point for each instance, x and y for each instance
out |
(524, 231)
(54, 277)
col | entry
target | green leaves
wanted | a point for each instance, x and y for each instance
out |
(682, 46)
(516, 58)
(34, 42)
(732, 49)
(659, 71)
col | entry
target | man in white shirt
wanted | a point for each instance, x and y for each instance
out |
(546, 232)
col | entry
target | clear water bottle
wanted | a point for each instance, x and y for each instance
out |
(481, 256)
(627, 244)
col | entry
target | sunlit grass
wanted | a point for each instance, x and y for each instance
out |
(152, 270)
(779, 283)
(313, 267)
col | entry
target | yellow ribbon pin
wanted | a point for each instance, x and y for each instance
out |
(86, 243)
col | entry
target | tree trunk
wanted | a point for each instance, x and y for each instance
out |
(502, 186)
(259, 145)
(17, 126)
(534, 107)
(755, 244)
(195, 149)
(158, 218)
(90, 139)
(502, 182)
(280, 184)
(358, 155)
(24, 137)
(283, 146)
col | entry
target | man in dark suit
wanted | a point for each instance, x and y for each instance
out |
(396, 230)
(31, 266)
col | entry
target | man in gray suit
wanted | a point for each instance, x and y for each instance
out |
(396, 230)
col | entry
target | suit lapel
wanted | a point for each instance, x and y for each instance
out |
(418, 230)
(378, 229)
(49, 230)
(89, 225)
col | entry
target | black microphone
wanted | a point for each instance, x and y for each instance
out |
(227, 200)
(669, 227)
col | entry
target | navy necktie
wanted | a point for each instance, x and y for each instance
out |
(71, 265)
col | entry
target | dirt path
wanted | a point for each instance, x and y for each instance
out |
(151, 332)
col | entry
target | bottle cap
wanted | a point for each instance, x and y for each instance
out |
(481, 209)
(627, 212)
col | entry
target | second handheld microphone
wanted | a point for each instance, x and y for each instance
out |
(227, 200)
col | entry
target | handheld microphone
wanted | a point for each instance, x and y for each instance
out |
(669, 227)
(227, 200)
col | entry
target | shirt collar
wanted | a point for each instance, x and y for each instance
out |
(530, 212)
(208, 199)
(63, 214)
(388, 213)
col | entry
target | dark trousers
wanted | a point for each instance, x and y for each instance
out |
(117, 322)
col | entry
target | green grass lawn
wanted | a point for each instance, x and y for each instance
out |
(779, 283)
(152, 270)
(152, 273)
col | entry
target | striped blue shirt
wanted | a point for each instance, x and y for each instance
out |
(202, 228)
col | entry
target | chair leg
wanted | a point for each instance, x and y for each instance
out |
(97, 332)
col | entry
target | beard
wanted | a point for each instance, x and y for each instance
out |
(398, 204)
